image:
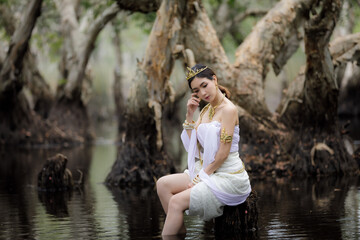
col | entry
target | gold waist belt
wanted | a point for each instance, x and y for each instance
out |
(239, 171)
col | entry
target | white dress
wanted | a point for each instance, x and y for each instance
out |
(228, 185)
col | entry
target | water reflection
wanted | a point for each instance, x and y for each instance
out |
(325, 208)
(56, 203)
(19, 198)
(308, 208)
(142, 211)
(350, 223)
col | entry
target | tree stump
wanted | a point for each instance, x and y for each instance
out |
(239, 219)
(55, 176)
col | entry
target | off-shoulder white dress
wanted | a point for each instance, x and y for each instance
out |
(228, 185)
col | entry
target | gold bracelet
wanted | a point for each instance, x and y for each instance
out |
(188, 126)
(196, 180)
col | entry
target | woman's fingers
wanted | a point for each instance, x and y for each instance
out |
(193, 103)
(195, 96)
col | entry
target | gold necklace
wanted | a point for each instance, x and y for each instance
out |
(212, 109)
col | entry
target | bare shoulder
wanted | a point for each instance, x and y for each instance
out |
(230, 109)
(229, 112)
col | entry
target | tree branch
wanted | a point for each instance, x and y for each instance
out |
(270, 38)
(144, 6)
(343, 50)
(99, 23)
(12, 67)
(252, 12)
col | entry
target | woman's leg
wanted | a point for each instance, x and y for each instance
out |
(174, 222)
(170, 185)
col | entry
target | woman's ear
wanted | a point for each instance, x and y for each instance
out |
(215, 79)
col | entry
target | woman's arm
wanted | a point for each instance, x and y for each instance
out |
(192, 105)
(228, 122)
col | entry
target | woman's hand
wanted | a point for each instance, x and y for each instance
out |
(190, 185)
(192, 104)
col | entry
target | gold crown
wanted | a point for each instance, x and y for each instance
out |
(193, 73)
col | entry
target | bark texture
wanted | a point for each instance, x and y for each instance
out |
(54, 176)
(345, 51)
(42, 98)
(141, 158)
(117, 88)
(11, 83)
(300, 140)
(262, 47)
(293, 143)
(318, 144)
(238, 220)
(18, 123)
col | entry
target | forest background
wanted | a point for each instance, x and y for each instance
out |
(118, 40)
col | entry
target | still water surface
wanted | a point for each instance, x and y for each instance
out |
(327, 208)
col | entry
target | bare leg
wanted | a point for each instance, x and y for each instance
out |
(174, 223)
(170, 185)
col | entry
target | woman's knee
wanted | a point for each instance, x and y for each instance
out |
(162, 185)
(174, 204)
(178, 203)
(173, 183)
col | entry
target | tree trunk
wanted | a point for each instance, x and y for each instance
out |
(262, 47)
(302, 140)
(144, 6)
(70, 110)
(117, 88)
(42, 98)
(349, 98)
(241, 219)
(16, 117)
(141, 158)
(345, 57)
(273, 145)
(317, 137)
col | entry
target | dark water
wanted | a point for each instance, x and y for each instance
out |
(326, 208)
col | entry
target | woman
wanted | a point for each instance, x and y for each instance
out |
(216, 175)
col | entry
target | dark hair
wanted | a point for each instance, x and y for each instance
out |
(207, 73)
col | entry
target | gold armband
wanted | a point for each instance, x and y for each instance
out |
(224, 138)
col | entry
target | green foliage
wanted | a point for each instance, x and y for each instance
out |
(3, 35)
(53, 45)
(96, 6)
(144, 21)
(356, 11)
(62, 82)
(4, 2)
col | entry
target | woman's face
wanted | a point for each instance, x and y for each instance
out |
(204, 88)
